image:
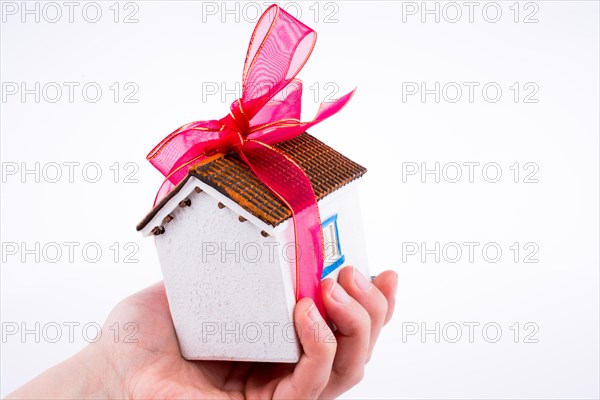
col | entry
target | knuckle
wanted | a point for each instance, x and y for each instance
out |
(377, 307)
(381, 309)
(350, 376)
(330, 349)
(305, 391)
(321, 385)
(359, 326)
(362, 323)
(313, 390)
(356, 377)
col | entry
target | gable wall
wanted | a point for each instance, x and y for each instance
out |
(224, 284)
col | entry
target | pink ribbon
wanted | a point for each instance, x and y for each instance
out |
(268, 112)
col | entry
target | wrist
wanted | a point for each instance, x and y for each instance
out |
(86, 375)
(98, 375)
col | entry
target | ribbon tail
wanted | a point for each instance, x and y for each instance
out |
(179, 150)
(281, 131)
(180, 170)
(286, 179)
(164, 190)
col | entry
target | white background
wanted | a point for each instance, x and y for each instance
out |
(172, 53)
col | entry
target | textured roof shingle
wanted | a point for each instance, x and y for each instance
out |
(326, 169)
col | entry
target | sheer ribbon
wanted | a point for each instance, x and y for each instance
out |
(267, 113)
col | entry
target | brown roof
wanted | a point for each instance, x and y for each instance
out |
(327, 170)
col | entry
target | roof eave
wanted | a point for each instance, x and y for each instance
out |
(187, 189)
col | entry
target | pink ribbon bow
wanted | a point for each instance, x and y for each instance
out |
(268, 112)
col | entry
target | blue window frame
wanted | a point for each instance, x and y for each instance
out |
(332, 250)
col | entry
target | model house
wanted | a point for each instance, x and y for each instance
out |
(225, 246)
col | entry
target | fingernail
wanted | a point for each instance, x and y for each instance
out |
(338, 294)
(313, 313)
(360, 281)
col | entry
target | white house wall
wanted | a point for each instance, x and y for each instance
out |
(350, 226)
(227, 302)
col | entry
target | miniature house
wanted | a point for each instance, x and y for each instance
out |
(223, 238)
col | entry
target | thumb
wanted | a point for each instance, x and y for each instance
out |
(311, 374)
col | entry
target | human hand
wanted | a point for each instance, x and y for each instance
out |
(154, 368)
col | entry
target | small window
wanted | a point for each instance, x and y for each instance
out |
(332, 251)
